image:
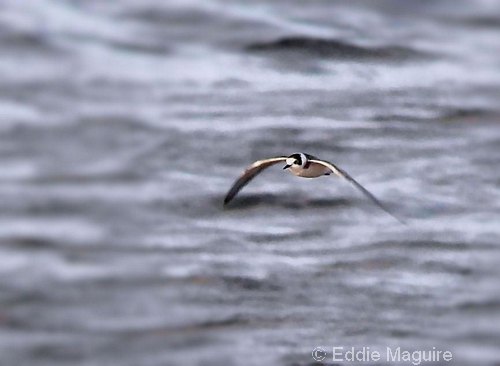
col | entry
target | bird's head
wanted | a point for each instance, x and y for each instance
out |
(297, 159)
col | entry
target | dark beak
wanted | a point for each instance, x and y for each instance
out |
(286, 167)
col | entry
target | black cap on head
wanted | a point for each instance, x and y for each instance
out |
(297, 157)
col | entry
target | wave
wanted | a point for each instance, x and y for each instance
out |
(333, 48)
(247, 201)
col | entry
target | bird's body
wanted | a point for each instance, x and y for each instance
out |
(305, 166)
(311, 170)
(301, 165)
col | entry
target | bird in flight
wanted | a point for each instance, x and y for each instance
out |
(302, 165)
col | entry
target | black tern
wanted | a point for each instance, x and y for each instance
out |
(302, 165)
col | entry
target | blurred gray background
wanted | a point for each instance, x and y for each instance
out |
(124, 123)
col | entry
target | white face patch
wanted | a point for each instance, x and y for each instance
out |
(304, 159)
(290, 161)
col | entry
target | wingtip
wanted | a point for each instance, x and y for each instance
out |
(397, 218)
(403, 222)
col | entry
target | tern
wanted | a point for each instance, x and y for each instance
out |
(302, 165)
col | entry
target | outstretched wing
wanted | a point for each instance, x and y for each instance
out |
(346, 176)
(251, 172)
